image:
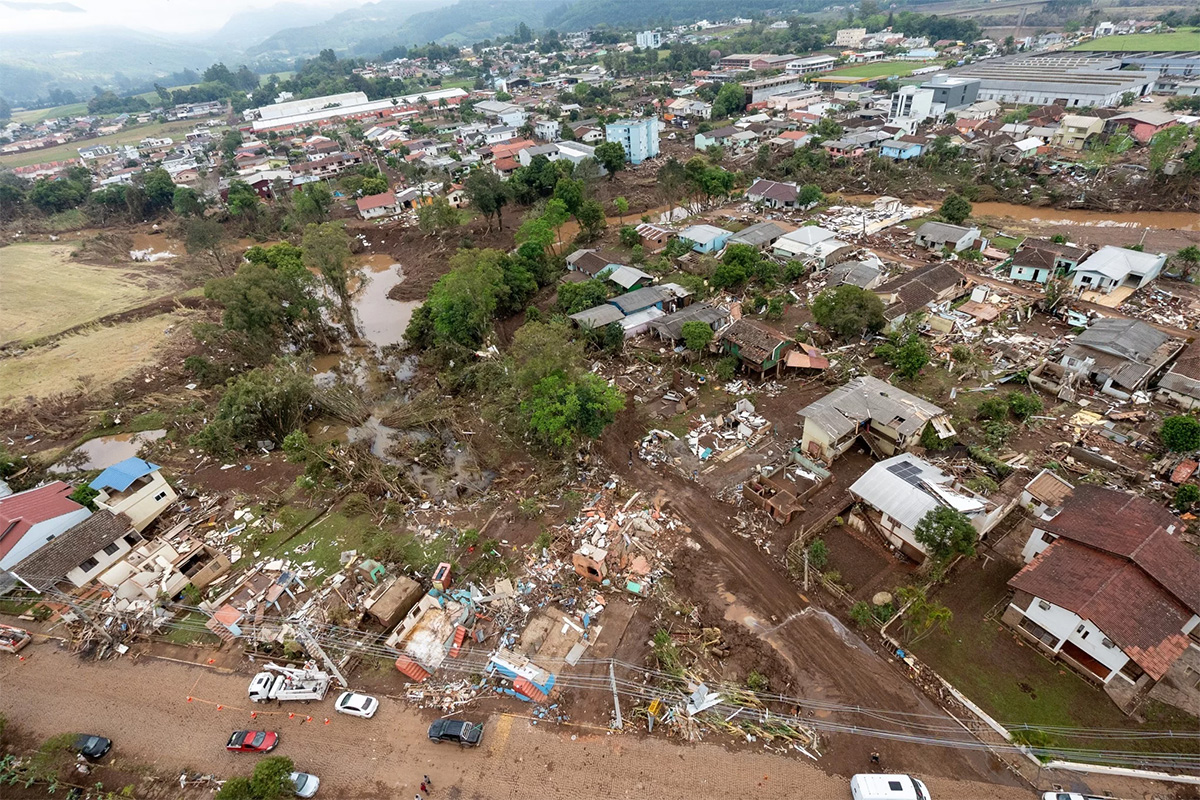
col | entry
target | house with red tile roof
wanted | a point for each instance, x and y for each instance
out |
(1109, 589)
(30, 519)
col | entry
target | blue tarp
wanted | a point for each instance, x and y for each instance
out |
(120, 477)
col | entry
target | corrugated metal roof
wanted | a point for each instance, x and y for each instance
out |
(906, 488)
(122, 475)
(867, 398)
(412, 669)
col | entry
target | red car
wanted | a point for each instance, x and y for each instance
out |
(252, 741)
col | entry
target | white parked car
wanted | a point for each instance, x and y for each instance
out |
(357, 705)
(1069, 796)
(306, 785)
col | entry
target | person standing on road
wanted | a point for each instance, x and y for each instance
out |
(427, 783)
(874, 758)
(424, 787)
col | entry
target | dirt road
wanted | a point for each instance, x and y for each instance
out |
(143, 707)
(738, 586)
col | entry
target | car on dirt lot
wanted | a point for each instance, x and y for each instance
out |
(306, 784)
(468, 734)
(91, 746)
(1069, 796)
(252, 741)
(356, 705)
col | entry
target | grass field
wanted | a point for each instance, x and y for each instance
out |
(878, 69)
(1181, 40)
(45, 292)
(39, 114)
(63, 152)
(88, 360)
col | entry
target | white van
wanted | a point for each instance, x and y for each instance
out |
(887, 787)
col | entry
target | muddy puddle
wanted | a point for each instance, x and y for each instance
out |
(381, 320)
(104, 451)
(453, 472)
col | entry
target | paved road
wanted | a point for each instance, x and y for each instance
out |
(143, 708)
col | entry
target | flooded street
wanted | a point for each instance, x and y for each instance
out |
(104, 451)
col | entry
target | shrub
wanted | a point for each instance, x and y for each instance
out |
(356, 504)
(85, 496)
(726, 368)
(818, 553)
(1180, 434)
(757, 681)
(995, 408)
(861, 614)
(996, 432)
(1023, 406)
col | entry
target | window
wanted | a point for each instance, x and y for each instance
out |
(1043, 605)
(1107, 642)
(159, 496)
(1048, 537)
(89, 565)
(111, 548)
(1038, 632)
(131, 539)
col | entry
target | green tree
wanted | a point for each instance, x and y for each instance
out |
(907, 353)
(611, 156)
(273, 778)
(576, 297)
(570, 192)
(272, 296)
(696, 335)
(591, 219)
(955, 209)
(945, 532)
(268, 402)
(818, 553)
(159, 190)
(849, 311)
(622, 206)
(922, 617)
(438, 215)
(808, 195)
(206, 236)
(462, 304)
(561, 411)
(730, 100)
(84, 495)
(311, 203)
(629, 236)
(1023, 406)
(488, 195)
(1186, 496)
(827, 128)
(186, 202)
(1164, 145)
(1181, 434)
(1188, 258)
(327, 250)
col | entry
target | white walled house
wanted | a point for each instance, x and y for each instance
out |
(135, 488)
(1110, 590)
(31, 519)
(80, 554)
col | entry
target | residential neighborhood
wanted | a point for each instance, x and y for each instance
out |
(803, 400)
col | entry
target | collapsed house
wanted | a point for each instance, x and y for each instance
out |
(1120, 356)
(888, 419)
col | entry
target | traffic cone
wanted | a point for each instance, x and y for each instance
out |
(253, 715)
(327, 720)
(291, 715)
(220, 708)
(189, 699)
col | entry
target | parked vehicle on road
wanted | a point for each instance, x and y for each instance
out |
(356, 705)
(1069, 796)
(289, 683)
(91, 746)
(252, 741)
(887, 787)
(468, 734)
(306, 784)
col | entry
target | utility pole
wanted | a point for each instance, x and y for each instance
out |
(612, 677)
(70, 601)
(806, 570)
(310, 641)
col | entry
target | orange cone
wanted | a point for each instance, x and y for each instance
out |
(291, 715)
(327, 720)
(220, 708)
(212, 661)
(189, 699)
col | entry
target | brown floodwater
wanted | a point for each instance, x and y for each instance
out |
(382, 320)
(1178, 220)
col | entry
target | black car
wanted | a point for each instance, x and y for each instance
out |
(465, 733)
(91, 746)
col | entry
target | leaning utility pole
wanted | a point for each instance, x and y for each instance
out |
(311, 643)
(612, 677)
(83, 615)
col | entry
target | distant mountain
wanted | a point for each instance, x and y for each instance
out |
(248, 28)
(33, 63)
(585, 14)
(343, 32)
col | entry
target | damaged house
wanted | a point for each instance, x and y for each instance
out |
(897, 493)
(758, 348)
(920, 288)
(888, 419)
(135, 488)
(1181, 384)
(1121, 356)
(1112, 592)
(79, 554)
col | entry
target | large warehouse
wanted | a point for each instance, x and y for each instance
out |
(1062, 78)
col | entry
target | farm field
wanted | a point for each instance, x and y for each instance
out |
(45, 292)
(63, 152)
(88, 360)
(1183, 39)
(39, 114)
(879, 69)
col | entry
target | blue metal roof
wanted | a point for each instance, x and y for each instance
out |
(121, 476)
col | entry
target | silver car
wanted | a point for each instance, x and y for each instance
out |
(306, 785)
(356, 705)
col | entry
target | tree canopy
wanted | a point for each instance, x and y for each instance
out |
(945, 532)
(849, 311)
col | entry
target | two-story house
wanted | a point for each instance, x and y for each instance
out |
(1112, 592)
(135, 488)
(758, 348)
(31, 519)
(80, 554)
